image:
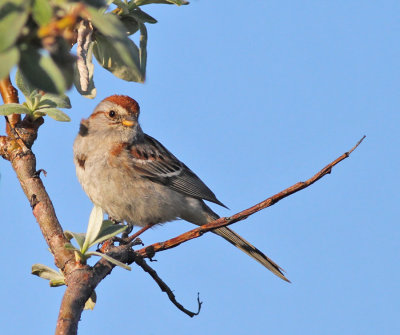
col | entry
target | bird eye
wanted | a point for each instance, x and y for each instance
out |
(111, 113)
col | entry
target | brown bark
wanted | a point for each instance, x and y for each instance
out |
(10, 95)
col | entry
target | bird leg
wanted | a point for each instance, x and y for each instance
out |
(139, 232)
(133, 239)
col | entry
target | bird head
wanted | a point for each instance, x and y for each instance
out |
(116, 118)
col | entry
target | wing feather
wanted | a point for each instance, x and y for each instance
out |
(153, 161)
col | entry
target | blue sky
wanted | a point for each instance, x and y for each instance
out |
(253, 97)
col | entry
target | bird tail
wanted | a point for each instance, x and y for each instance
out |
(240, 243)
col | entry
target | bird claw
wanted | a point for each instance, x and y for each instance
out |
(127, 231)
(137, 241)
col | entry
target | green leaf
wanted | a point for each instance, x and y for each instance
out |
(25, 87)
(130, 23)
(60, 54)
(57, 282)
(69, 246)
(13, 15)
(35, 95)
(86, 87)
(94, 227)
(8, 109)
(167, 2)
(79, 237)
(141, 16)
(38, 114)
(108, 24)
(56, 278)
(108, 229)
(143, 49)
(54, 113)
(121, 57)
(42, 72)
(110, 259)
(91, 302)
(122, 5)
(102, 232)
(32, 100)
(95, 3)
(8, 58)
(42, 12)
(54, 100)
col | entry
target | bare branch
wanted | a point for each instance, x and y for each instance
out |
(4, 146)
(138, 233)
(149, 251)
(164, 287)
(82, 283)
(10, 95)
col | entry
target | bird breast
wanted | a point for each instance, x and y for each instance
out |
(110, 181)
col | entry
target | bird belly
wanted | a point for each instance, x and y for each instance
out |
(126, 196)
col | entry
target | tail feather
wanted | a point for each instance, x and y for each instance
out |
(240, 243)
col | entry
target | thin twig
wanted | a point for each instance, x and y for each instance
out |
(150, 250)
(10, 95)
(125, 254)
(138, 233)
(164, 287)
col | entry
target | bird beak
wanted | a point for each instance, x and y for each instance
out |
(128, 123)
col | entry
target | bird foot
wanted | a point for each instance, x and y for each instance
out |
(137, 241)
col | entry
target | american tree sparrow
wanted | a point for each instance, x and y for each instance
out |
(134, 178)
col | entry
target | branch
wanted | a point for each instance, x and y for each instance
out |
(164, 287)
(16, 148)
(23, 162)
(81, 284)
(150, 250)
(125, 254)
(9, 94)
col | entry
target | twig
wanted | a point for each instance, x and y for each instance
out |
(125, 254)
(9, 94)
(164, 287)
(150, 250)
(138, 233)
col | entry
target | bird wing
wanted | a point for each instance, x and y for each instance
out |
(153, 161)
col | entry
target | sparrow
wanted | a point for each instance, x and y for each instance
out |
(135, 179)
